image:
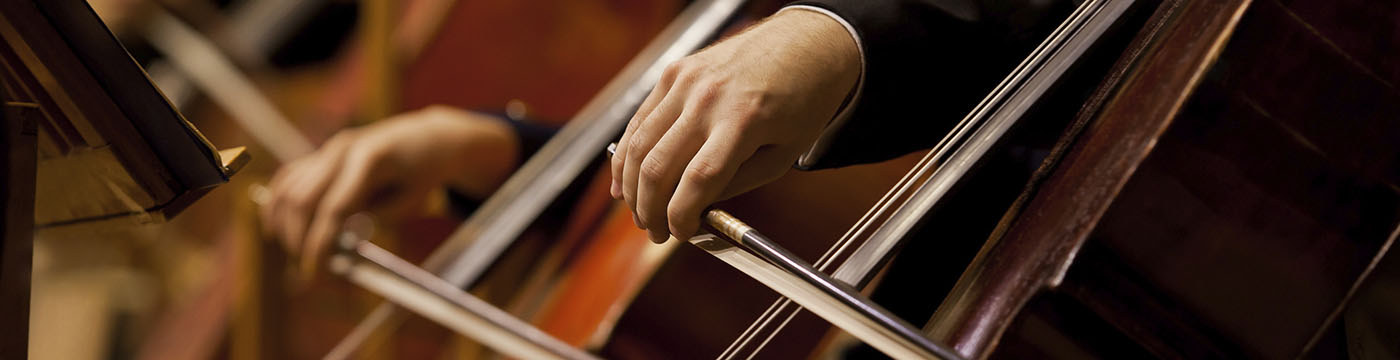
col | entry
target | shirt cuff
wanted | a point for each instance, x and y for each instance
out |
(819, 148)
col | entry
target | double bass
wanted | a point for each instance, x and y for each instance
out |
(1064, 270)
(489, 238)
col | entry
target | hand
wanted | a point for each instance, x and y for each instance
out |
(389, 168)
(731, 118)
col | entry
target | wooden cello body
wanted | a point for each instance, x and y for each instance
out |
(619, 293)
(548, 56)
(1225, 199)
(1049, 284)
(1213, 194)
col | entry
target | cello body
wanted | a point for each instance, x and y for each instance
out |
(1229, 193)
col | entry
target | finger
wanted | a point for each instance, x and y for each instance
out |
(658, 92)
(659, 173)
(266, 212)
(286, 199)
(304, 193)
(303, 196)
(342, 199)
(764, 166)
(289, 188)
(286, 174)
(705, 177)
(644, 138)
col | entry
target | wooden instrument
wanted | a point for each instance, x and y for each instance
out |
(1155, 99)
(1208, 209)
(456, 54)
(1069, 272)
(1065, 265)
(616, 271)
(477, 260)
(467, 254)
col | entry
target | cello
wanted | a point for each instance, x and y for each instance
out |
(1060, 275)
(1185, 137)
(554, 177)
(537, 177)
(1226, 216)
(988, 303)
(440, 59)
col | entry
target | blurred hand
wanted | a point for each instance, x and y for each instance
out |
(731, 118)
(388, 168)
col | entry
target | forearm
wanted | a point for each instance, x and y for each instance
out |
(820, 43)
(514, 142)
(486, 158)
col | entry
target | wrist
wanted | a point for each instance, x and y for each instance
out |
(825, 45)
(478, 153)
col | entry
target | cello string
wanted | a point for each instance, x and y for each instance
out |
(957, 136)
(763, 260)
(1066, 50)
(466, 254)
(826, 259)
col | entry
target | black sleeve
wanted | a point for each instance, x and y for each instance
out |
(532, 137)
(927, 64)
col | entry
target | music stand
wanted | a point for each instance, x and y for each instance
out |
(89, 137)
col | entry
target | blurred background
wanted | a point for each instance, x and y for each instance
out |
(204, 284)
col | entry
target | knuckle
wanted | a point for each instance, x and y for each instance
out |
(616, 161)
(340, 137)
(653, 119)
(687, 74)
(651, 169)
(369, 156)
(750, 106)
(682, 226)
(752, 110)
(703, 171)
(673, 70)
(706, 91)
(635, 149)
(678, 214)
(674, 67)
(344, 136)
(298, 202)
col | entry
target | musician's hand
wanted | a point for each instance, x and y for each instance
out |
(387, 168)
(732, 117)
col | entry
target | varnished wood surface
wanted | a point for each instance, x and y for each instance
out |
(1226, 202)
(1272, 194)
(1030, 256)
(549, 56)
(110, 145)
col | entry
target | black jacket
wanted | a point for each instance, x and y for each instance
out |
(927, 64)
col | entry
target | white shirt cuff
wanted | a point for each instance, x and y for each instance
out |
(819, 148)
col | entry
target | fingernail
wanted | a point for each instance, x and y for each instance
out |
(615, 190)
(638, 221)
